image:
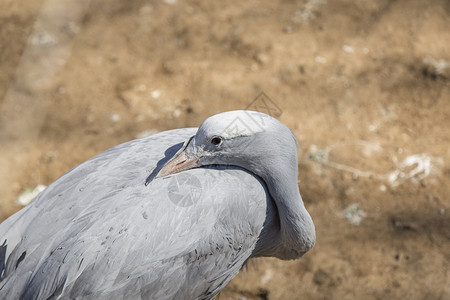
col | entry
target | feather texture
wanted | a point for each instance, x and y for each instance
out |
(99, 232)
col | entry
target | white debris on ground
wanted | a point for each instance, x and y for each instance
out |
(308, 12)
(348, 49)
(413, 168)
(268, 275)
(382, 188)
(156, 94)
(354, 214)
(419, 166)
(177, 112)
(351, 49)
(29, 194)
(320, 59)
(115, 117)
(438, 67)
(43, 39)
(322, 156)
(317, 154)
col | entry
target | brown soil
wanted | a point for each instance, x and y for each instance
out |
(363, 84)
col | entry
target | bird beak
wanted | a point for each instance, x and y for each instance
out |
(181, 161)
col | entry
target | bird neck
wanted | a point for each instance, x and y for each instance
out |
(297, 232)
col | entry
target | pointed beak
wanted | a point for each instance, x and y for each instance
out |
(180, 162)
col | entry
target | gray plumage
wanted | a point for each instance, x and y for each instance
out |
(158, 219)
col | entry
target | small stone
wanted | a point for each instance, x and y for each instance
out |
(348, 49)
(177, 113)
(320, 59)
(354, 214)
(115, 117)
(288, 29)
(261, 58)
(49, 156)
(43, 39)
(156, 94)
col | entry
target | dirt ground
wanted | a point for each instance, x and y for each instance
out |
(365, 86)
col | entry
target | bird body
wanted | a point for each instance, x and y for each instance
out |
(131, 224)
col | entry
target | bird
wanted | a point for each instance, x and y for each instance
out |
(175, 215)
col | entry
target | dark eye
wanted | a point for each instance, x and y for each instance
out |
(216, 140)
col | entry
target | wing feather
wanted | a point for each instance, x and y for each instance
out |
(99, 232)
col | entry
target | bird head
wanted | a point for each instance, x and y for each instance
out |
(265, 147)
(247, 139)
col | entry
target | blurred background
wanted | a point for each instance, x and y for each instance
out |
(364, 85)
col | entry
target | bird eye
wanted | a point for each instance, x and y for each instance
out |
(216, 140)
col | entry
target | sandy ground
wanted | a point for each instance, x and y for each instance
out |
(363, 84)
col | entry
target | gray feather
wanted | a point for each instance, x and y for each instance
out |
(114, 228)
(98, 232)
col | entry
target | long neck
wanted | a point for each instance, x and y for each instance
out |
(297, 231)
